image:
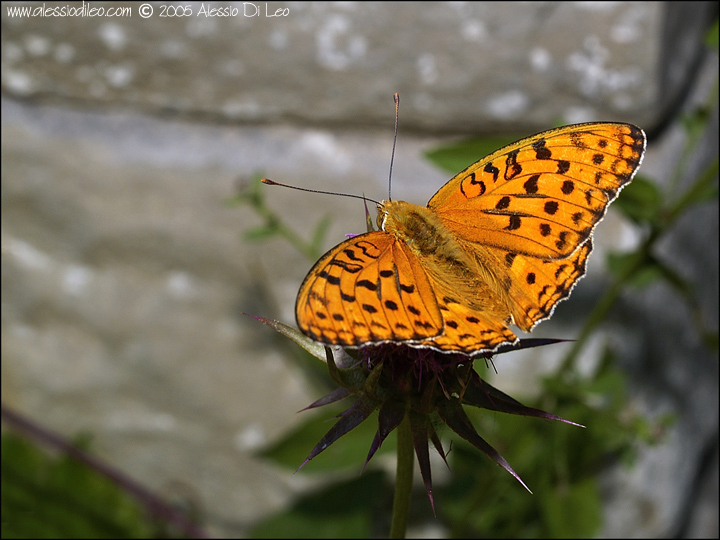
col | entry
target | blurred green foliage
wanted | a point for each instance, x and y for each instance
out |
(58, 497)
(252, 193)
(559, 462)
(345, 509)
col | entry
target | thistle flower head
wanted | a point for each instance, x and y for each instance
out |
(426, 386)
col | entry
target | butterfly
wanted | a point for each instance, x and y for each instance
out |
(501, 243)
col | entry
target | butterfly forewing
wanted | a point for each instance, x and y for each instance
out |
(369, 289)
(542, 196)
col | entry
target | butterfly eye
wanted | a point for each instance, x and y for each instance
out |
(381, 217)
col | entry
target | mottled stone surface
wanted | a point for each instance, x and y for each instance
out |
(463, 66)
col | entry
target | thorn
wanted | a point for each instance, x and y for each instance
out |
(303, 464)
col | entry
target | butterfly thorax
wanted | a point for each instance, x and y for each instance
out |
(421, 230)
(441, 254)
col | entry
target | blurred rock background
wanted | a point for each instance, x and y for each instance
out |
(125, 276)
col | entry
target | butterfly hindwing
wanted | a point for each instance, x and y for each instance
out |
(467, 329)
(537, 285)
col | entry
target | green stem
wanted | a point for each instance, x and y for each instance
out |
(271, 219)
(403, 482)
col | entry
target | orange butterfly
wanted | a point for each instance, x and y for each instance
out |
(501, 243)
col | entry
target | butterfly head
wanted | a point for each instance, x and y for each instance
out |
(382, 209)
(390, 212)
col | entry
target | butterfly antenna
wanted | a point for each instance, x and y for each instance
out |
(396, 97)
(274, 183)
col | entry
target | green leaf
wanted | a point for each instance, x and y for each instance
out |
(261, 233)
(704, 189)
(558, 462)
(646, 276)
(344, 510)
(573, 511)
(620, 264)
(458, 156)
(711, 37)
(250, 191)
(642, 276)
(695, 121)
(641, 201)
(45, 497)
(318, 237)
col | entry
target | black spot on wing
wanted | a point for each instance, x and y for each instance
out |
(369, 285)
(407, 288)
(577, 141)
(333, 280)
(541, 151)
(513, 168)
(472, 178)
(514, 224)
(531, 185)
(562, 240)
(350, 254)
(503, 203)
(347, 266)
(491, 169)
(551, 207)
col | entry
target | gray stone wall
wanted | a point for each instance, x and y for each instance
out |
(463, 67)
